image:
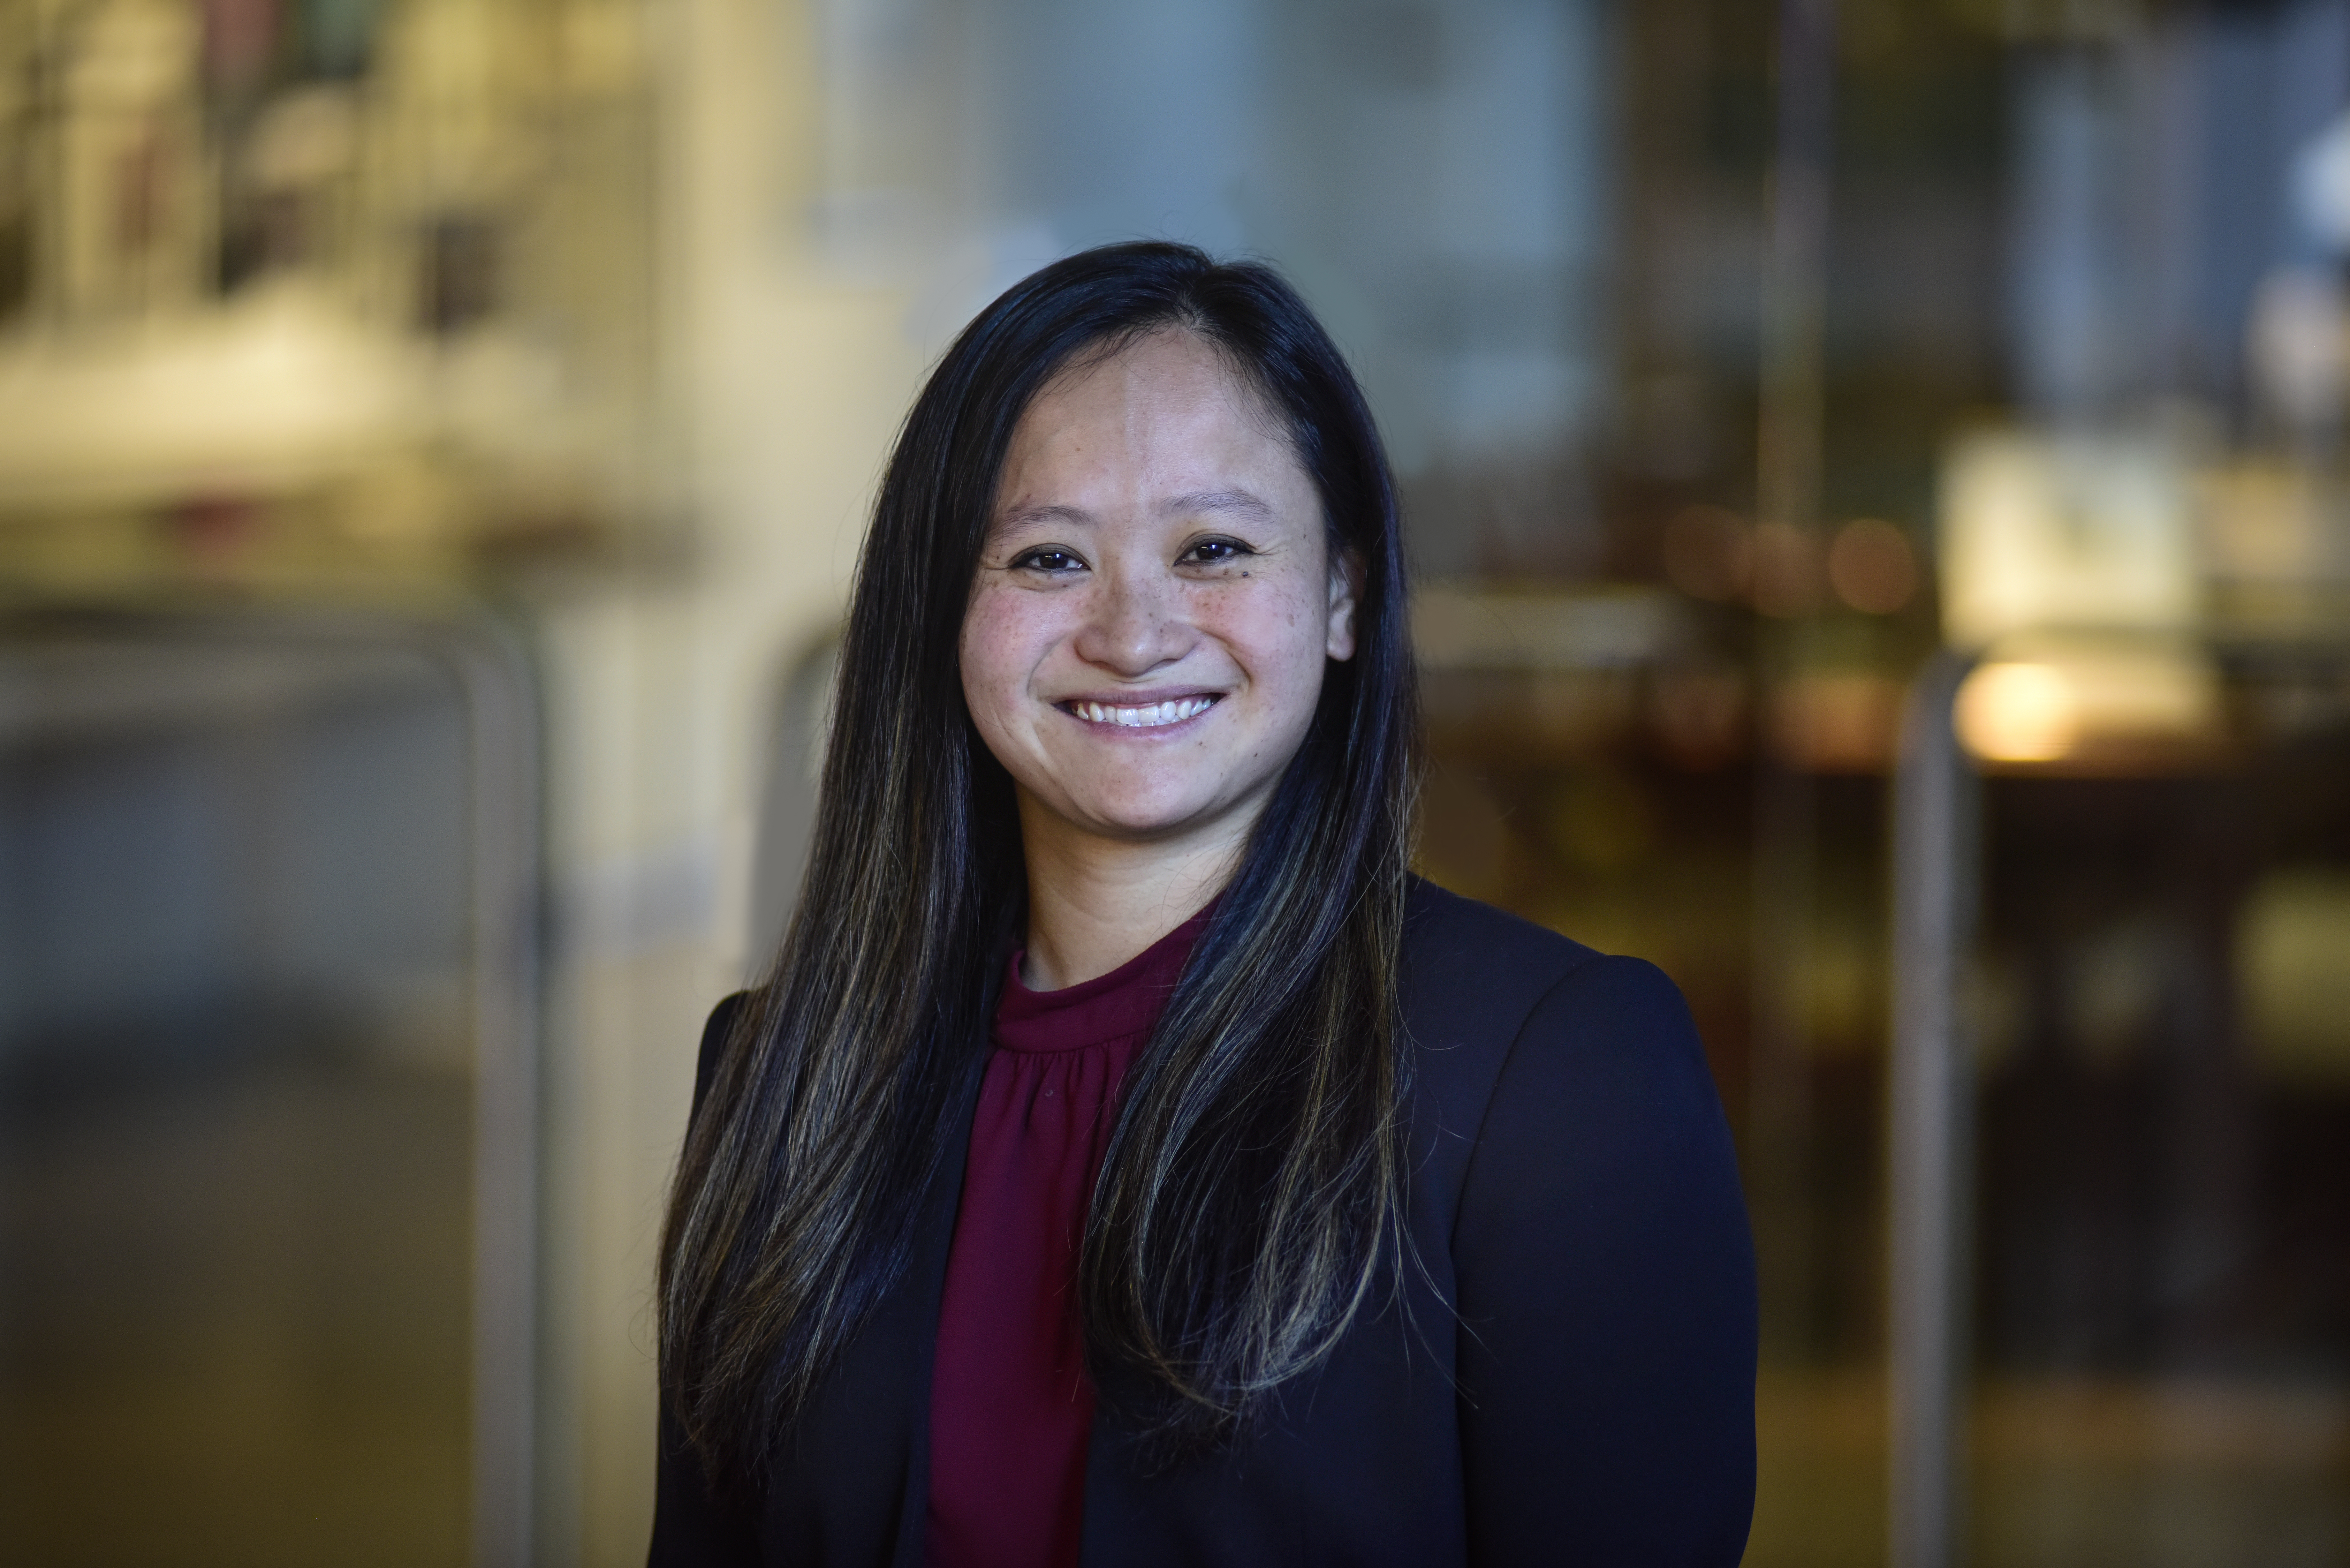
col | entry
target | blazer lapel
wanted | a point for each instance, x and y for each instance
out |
(911, 1342)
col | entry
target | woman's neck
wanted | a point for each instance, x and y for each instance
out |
(1094, 903)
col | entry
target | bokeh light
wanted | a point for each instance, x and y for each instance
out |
(2018, 714)
(1786, 570)
(1872, 567)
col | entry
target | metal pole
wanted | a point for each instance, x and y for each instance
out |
(1787, 495)
(1794, 276)
(502, 723)
(1935, 794)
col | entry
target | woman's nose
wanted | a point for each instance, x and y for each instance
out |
(1134, 623)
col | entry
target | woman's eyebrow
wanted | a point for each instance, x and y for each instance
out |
(1022, 516)
(1239, 500)
(1197, 501)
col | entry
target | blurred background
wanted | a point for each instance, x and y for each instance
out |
(435, 438)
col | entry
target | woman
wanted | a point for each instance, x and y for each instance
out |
(1128, 1160)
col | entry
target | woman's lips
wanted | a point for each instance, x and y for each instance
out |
(1139, 715)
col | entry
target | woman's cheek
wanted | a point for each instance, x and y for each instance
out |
(987, 659)
(1283, 634)
(993, 628)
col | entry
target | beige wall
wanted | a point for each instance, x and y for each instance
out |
(783, 384)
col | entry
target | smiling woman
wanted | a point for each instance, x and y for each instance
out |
(1156, 597)
(1127, 1160)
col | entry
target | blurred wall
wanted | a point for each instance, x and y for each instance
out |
(782, 379)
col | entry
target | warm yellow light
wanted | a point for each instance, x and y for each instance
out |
(2018, 714)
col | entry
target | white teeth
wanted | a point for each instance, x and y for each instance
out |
(1149, 716)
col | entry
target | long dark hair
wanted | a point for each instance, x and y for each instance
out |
(1251, 1188)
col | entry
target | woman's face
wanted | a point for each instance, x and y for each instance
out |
(1155, 600)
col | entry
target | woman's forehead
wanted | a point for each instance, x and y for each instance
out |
(1168, 365)
(1169, 415)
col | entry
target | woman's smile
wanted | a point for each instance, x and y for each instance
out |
(1128, 713)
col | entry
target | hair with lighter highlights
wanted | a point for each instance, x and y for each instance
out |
(1251, 1191)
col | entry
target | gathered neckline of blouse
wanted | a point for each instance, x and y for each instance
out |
(1106, 1010)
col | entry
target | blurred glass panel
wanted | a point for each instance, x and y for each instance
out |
(238, 1100)
(2164, 1320)
(2075, 394)
(320, 321)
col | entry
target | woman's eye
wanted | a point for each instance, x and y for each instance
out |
(1215, 552)
(1049, 560)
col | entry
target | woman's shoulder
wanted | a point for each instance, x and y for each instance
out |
(1471, 971)
(716, 1030)
(1487, 995)
(1443, 927)
(1575, 1186)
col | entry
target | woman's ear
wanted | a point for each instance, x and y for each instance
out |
(1345, 589)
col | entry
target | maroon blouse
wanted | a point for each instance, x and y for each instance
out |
(1010, 1404)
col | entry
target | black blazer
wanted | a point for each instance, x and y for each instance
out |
(1573, 1382)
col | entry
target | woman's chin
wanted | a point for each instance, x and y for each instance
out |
(1149, 820)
